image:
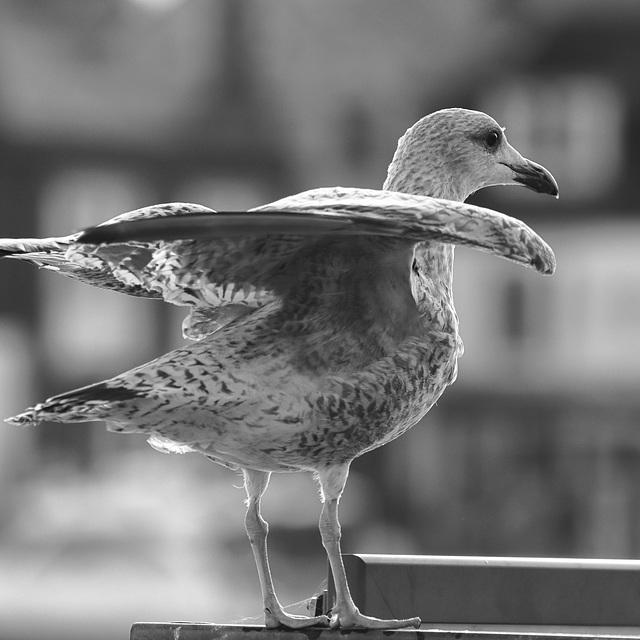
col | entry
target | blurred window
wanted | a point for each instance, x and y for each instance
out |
(572, 124)
(87, 331)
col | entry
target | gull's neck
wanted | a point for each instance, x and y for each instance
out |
(407, 174)
(433, 261)
(423, 186)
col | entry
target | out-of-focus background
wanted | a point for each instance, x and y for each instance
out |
(109, 105)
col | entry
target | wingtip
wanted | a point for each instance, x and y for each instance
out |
(27, 419)
(545, 263)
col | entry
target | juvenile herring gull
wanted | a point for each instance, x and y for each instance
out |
(324, 324)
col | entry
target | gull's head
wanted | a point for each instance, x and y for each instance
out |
(454, 152)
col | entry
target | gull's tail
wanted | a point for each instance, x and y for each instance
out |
(87, 404)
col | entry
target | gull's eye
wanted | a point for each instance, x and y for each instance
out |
(492, 139)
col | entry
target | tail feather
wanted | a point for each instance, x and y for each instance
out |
(86, 404)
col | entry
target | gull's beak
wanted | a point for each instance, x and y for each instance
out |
(534, 176)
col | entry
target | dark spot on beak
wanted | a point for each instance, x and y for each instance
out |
(535, 177)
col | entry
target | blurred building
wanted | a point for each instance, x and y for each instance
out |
(111, 105)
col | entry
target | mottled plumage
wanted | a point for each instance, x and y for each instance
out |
(325, 323)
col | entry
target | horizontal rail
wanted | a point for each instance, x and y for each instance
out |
(471, 590)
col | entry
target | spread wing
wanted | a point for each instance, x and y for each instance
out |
(223, 263)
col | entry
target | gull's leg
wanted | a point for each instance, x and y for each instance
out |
(255, 483)
(345, 614)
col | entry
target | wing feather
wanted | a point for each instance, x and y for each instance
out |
(113, 267)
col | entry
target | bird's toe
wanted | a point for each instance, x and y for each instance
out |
(352, 619)
(275, 619)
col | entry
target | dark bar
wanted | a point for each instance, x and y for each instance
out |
(469, 590)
